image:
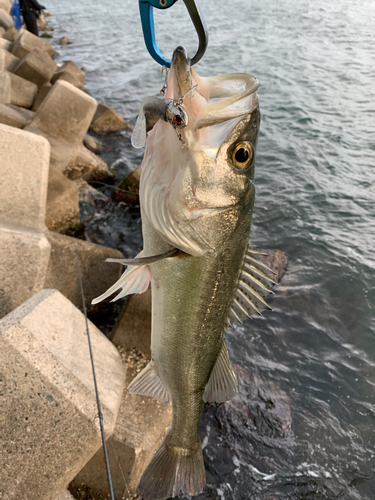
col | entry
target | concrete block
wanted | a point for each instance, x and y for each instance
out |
(37, 67)
(26, 113)
(5, 87)
(7, 60)
(6, 20)
(62, 211)
(133, 326)
(6, 5)
(5, 44)
(67, 77)
(41, 96)
(141, 424)
(26, 42)
(86, 165)
(64, 495)
(65, 114)
(49, 424)
(73, 69)
(63, 118)
(107, 120)
(62, 271)
(11, 117)
(23, 92)
(24, 177)
(23, 267)
(11, 34)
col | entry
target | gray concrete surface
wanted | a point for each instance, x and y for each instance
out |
(49, 425)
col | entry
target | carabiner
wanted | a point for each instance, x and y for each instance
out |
(147, 19)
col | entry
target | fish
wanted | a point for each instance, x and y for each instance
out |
(197, 198)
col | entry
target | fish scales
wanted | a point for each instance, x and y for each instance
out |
(197, 196)
(186, 351)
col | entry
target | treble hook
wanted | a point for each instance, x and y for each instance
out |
(147, 19)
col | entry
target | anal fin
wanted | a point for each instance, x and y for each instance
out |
(148, 383)
(222, 384)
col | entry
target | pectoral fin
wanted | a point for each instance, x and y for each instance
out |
(134, 280)
(222, 384)
(148, 383)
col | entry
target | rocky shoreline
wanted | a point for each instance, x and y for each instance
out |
(50, 434)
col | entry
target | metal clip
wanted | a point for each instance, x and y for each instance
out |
(147, 19)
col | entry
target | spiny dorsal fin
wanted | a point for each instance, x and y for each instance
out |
(222, 384)
(148, 383)
(252, 288)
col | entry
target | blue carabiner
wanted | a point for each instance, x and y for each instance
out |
(147, 19)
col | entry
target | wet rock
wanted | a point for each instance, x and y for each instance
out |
(276, 260)
(73, 69)
(92, 144)
(261, 407)
(128, 190)
(26, 42)
(49, 420)
(86, 165)
(11, 117)
(62, 211)
(5, 87)
(107, 120)
(23, 92)
(90, 200)
(141, 425)
(64, 40)
(67, 77)
(37, 67)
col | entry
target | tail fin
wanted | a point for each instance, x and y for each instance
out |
(173, 471)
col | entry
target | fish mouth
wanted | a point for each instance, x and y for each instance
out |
(180, 68)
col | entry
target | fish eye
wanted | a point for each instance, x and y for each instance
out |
(242, 155)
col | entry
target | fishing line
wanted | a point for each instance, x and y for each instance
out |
(95, 383)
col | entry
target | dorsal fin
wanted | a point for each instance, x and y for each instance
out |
(252, 288)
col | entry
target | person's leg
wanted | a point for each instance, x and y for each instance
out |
(32, 25)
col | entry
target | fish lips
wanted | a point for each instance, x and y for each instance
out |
(180, 69)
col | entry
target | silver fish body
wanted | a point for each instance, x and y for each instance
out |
(197, 198)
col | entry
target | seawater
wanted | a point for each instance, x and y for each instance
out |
(315, 190)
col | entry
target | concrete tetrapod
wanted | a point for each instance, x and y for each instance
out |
(63, 118)
(49, 423)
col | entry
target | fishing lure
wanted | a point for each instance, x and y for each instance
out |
(169, 110)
